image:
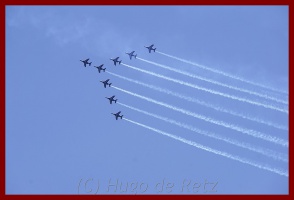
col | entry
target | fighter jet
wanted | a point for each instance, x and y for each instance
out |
(111, 99)
(100, 68)
(150, 48)
(115, 60)
(132, 54)
(106, 83)
(117, 115)
(86, 62)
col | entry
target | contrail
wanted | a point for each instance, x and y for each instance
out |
(208, 90)
(214, 82)
(203, 103)
(223, 73)
(265, 152)
(217, 152)
(207, 119)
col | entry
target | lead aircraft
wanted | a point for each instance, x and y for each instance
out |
(86, 62)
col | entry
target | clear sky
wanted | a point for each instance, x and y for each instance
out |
(62, 139)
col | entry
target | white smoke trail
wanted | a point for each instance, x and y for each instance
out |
(214, 82)
(265, 152)
(208, 90)
(253, 133)
(203, 103)
(223, 73)
(217, 152)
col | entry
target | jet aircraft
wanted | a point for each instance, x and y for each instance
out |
(115, 60)
(131, 54)
(117, 115)
(86, 62)
(150, 48)
(111, 99)
(106, 83)
(100, 68)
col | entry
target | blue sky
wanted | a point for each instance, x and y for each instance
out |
(62, 139)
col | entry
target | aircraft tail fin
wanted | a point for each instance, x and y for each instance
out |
(115, 100)
(154, 49)
(104, 69)
(119, 62)
(121, 116)
(109, 84)
(136, 56)
(90, 63)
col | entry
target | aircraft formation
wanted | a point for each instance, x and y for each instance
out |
(106, 82)
(234, 127)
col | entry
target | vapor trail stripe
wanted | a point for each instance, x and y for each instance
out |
(208, 90)
(214, 82)
(191, 99)
(222, 73)
(265, 152)
(253, 133)
(217, 152)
